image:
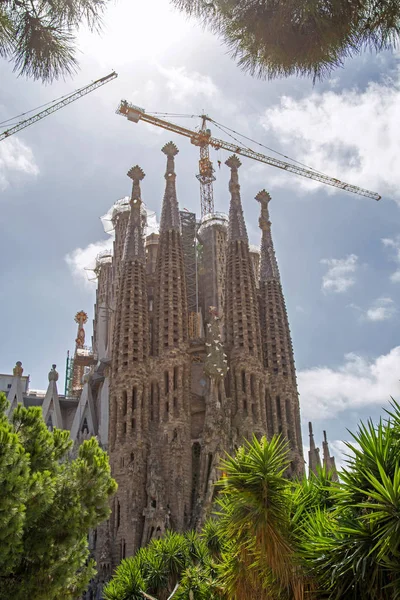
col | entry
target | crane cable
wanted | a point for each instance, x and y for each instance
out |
(226, 130)
(18, 117)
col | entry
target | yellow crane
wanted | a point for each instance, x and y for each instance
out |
(203, 139)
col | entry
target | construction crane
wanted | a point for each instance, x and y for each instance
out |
(203, 139)
(57, 105)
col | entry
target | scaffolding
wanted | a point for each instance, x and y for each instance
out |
(188, 229)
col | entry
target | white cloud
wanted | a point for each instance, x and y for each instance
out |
(340, 275)
(184, 84)
(394, 244)
(15, 157)
(81, 261)
(350, 135)
(326, 392)
(381, 309)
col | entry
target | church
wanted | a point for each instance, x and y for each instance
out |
(191, 355)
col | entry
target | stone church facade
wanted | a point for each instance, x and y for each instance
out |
(190, 375)
(191, 355)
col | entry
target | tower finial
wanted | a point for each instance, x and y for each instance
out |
(237, 226)
(136, 174)
(53, 375)
(269, 266)
(18, 370)
(134, 246)
(170, 211)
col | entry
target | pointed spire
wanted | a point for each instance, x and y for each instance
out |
(237, 226)
(314, 461)
(329, 461)
(170, 211)
(85, 411)
(51, 409)
(134, 245)
(15, 394)
(269, 266)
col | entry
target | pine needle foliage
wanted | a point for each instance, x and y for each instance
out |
(272, 38)
(37, 36)
(48, 503)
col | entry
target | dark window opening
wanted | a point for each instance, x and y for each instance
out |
(252, 386)
(209, 465)
(118, 514)
(134, 397)
(176, 371)
(124, 402)
(166, 382)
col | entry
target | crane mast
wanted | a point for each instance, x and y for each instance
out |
(204, 140)
(63, 102)
(206, 174)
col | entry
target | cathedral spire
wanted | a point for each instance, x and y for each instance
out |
(170, 210)
(237, 226)
(134, 246)
(51, 409)
(269, 266)
(314, 461)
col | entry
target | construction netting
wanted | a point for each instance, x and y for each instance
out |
(108, 221)
(122, 205)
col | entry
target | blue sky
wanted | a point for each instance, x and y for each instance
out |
(339, 254)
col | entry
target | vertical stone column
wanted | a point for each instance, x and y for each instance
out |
(168, 497)
(129, 376)
(242, 322)
(277, 345)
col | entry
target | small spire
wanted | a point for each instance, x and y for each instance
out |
(237, 226)
(134, 245)
(329, 461)
(325, 449)
(18, 370)
(310, 429)
(53, 375)
(314, 461)
(269, 266)
(170, 210)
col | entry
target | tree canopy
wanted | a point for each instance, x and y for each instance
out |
(48, 503)
(271, 38)
(275, 538)
(37, 36)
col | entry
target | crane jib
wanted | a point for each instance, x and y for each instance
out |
(57, 105)
(203, 140)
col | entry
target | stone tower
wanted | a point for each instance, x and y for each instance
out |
(282, 401)
(169, 464)
(194, 369)
(246, 381)
(129, 384)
